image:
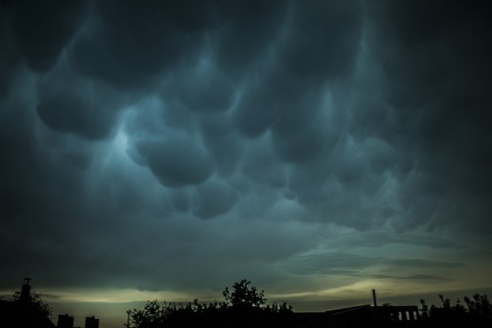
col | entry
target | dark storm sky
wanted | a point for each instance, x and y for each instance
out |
(313, 147)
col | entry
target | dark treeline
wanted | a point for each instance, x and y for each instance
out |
(469, 312)
(245, 306)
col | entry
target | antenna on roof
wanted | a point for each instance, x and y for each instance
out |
(374, 297)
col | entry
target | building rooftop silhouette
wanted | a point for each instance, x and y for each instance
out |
(21, 314)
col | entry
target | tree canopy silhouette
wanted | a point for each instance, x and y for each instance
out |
(244, 306)
(242, 295)
(33, 301)
(476, 312)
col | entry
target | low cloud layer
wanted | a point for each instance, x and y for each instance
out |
(166, 145)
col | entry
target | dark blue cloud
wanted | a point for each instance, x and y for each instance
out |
(289, 127)
(42, 30)
(176, 162)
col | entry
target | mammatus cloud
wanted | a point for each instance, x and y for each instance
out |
(176, 162)
(170, 145)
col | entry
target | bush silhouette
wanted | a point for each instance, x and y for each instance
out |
(476, 313)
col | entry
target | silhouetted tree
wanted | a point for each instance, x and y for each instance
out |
(244, 296)
(479, 305)
(477, 313)
(152, 315)
(34, 301)
(424, 310)
(244, 306)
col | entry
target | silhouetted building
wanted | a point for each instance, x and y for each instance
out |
(91, 322)
(364, 315)
(20, 314)
(65, 321)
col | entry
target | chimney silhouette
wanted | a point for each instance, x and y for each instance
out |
(91, 322)
(25, 295)
(65, 321)
(374, 297)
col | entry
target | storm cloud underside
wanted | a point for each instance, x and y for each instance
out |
(169, 145)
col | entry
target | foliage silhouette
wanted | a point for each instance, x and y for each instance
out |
(244, 306)
(476, 313)
(34, 302)
(244, 296)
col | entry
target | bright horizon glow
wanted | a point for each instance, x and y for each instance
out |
(112, 307)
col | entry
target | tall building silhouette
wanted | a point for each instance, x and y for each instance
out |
(65, 321)
(91, 322)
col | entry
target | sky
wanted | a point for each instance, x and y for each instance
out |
(320, 149)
